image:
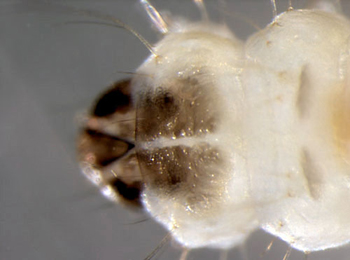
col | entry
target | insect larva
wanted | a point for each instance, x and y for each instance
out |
(228, 134)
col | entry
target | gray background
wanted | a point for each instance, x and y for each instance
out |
(49, 74)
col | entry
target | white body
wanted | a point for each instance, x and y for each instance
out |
(282, 131)
(296, 82)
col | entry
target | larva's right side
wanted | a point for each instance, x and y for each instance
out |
(297, 90)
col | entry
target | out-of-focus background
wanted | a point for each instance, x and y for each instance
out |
(50, 72)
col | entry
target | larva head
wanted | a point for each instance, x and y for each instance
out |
(106, 146)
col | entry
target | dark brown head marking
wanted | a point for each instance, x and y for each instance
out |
(115, 99)
(106, 144)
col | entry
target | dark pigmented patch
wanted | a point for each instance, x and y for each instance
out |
(115, 99)
(180, 108)
(101, 149)
(130, 192)
(304, 93)
(312, 174)
(178, 171)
